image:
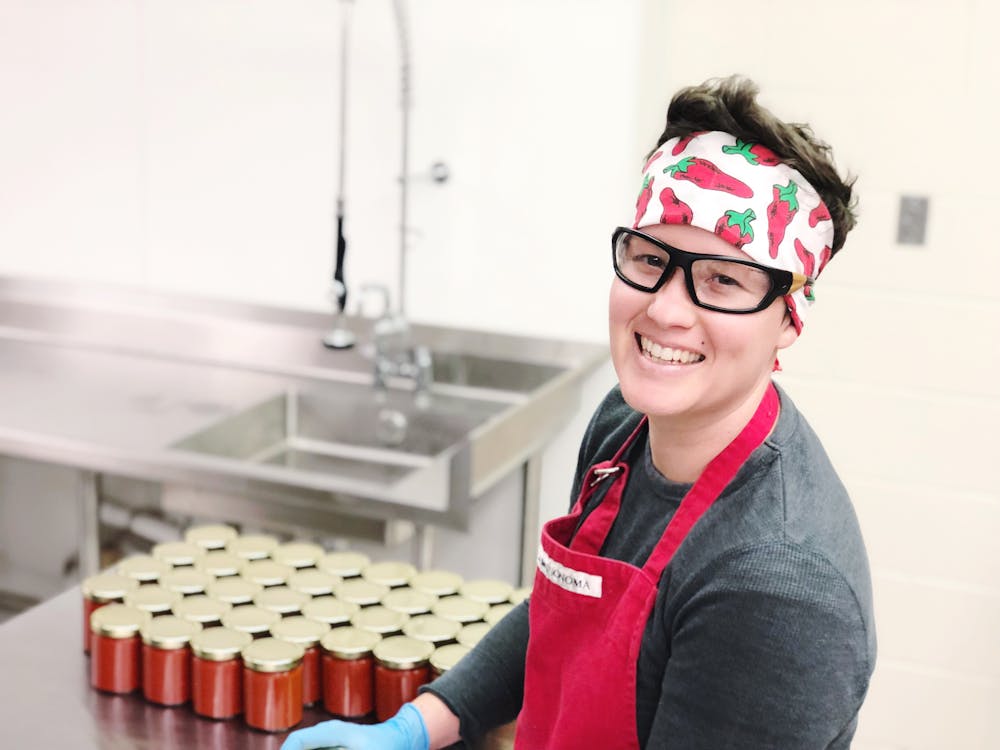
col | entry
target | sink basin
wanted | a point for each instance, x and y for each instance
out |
(345, 429)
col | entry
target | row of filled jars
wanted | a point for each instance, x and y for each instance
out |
(237, 632)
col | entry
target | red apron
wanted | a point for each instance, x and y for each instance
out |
(588, 613)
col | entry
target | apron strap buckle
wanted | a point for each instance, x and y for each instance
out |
(601, 474)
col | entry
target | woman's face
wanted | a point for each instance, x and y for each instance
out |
(676, 360)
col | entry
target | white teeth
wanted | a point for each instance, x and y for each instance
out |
(667, 354)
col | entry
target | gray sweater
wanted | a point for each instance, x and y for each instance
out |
(762, 634)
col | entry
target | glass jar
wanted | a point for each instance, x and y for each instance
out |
(307, 634)
(146, 569)
(392, 574)
(177, 554)
(409, 601)
(219, 564)
(486, 590)
(186, 581)
(497, 612)
(460, 609)
(99, 590)
(349, 672)
(153, 599)
(266, 572)
(333, 612)
(166, 660)
(297, 554)
(282, 600)
(233, 590)
(361, 592)
(343, 564)
(472, 633)
(446, 657)
(201, 609)
(313, 582)
(210, 536)
(432, 629)
(272, 684)
(379, 619)
(251, 619)
(437, 582)
(217, 672)
(401, 667)
(252, 546)
(116, 648)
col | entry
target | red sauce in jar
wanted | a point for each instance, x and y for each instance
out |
(349, 671)
(166, 660)
(272, 684)
(401, 667)
(217, 672)
(305, 633)
(115, 664)
(101, 589)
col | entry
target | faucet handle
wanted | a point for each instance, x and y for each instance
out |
(382, 290)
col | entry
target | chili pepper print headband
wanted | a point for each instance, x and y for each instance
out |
(746, 195)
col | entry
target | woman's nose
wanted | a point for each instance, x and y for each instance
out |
(671, 304)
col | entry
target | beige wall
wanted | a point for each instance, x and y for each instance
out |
(897, 369)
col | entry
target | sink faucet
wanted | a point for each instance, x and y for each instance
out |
(395, 353)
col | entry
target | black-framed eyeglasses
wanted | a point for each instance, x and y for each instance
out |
(714, 282)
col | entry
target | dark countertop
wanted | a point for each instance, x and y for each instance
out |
(48, 701)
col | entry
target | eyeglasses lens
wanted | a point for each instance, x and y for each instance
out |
(728, 285)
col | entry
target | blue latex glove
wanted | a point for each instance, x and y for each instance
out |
(404, 731)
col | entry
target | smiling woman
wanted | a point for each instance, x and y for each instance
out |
(709, 587)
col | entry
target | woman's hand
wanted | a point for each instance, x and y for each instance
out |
(404, 731)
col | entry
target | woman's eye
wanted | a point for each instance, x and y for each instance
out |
(650, 260)
(724, 280)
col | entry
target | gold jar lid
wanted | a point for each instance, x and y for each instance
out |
(272, 655)
(107, 587)
(473, 633)
(343, 564)
(177, 553)
(519, 595)
(402, 652)
(329, 610)
(251, 619)
(186, 582)
(361, 592)
(219, 644)
(460, 609)
(409, 601)
(446, 657)
(234, 590)
(117, 621)
(486, 590)
(379, 620)
(266, 572)
(350, 642)
(498, 612)
(298, 554)
(252, 546)
(281, 599)
(153, 599)
(436, 582)
(143, 568)
(392, 574)
(300, 630)
(432, 628)
(313, 582)
(201, 609)
(168, 632)
(219, 564)
(210, 536)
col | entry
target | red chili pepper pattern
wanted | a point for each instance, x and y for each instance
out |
(675, 211)
(808, 258)
(780, 213)
(683, 142)
(645, 196)
(818, 214)
(649, 162)
(705, 174)
(734, 227)
(754, 153)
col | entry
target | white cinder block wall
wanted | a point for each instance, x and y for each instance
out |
(191, 144)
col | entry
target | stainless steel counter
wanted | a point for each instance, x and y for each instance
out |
(48, 702)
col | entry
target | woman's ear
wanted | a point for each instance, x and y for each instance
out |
(788, 334)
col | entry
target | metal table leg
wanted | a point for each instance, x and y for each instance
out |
(530, 504)
(88, 492)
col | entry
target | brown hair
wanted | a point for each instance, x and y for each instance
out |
(730, 105)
